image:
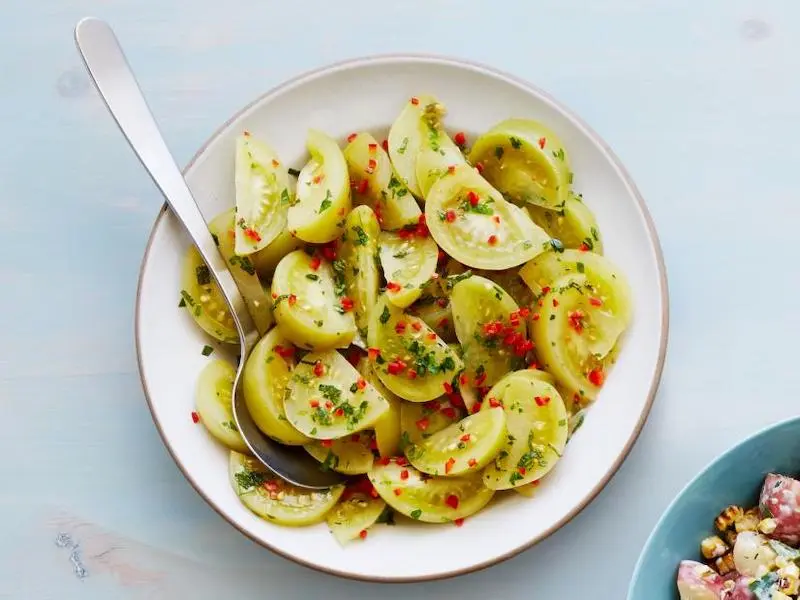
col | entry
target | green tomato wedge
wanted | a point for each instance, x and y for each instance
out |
(437, 314)
(479, 307)
(536, 419)
(471, 221)
(576, 333)
(405, 141)
(387, 428)
(438, 152)
(357, 250)
(573, 224)
(375, 182)
(328, 399)
(241, 268)
(429, 499)
(528, 490)
(511, 282)
(408, 264)
(610, 283)
(264, 382)
(306, 305)
(525, 161)
(203, 299)
(266, 259)
(350, 455)
(413, 362)
(419, 421)
(273, 499)
(213, 402)
(262, 195)
(323, 192)
(463, 447)
(353, 515)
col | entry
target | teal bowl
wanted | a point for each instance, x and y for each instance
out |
(735, 477)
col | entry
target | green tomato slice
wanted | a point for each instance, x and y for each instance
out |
(573, 224)
(408, 263)
(420, 421)
(203, 299)
(511, 282)
(374, 181)
(266, 259)
(438, 152)
(353, 515)
(213, 401)
(323, 192)
(536, 419)
(243, 272)
(575, 335)
(357, 250)
(413, 362)
(486, 319)
(387, 427)
(273, 499)
(350, 455)
(473, 223)
(611, 285)
(405, 141)
(262, 195)
(463, 447)
(429, 499)
(264, 382)
(437, 314)
(328, 399)
(526, 161)
(307, 307)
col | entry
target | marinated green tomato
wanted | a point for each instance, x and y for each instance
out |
(273, 499)
(463, 447)
(387, 427)
(405, 141)
(610, 285)
(437, 314)
(373, 179)
(511, 282)
(471, 221)
(438, 153)
(353, 515)
(359, 245)
(262, 195)
(429, 499)
(573, 224)
(408, 263)
(491, 330)
(203, 299)
(419, 421)
(350, 455)
(328, 399)
(213, 401)
(575, 334)
(536, 420)
(243, 272)
(323, 192)
(266, 259)
(307, 304)
(264, 381)
(410, 359)
(525, 161)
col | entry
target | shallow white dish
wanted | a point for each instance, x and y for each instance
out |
(368, 94)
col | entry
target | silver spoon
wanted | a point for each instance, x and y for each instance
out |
(113, 78)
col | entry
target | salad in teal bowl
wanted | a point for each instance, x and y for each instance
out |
(733, 533)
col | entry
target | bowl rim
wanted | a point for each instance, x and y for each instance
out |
(719, 458)
(481, 68)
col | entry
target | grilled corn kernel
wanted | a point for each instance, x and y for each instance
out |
(713, 547)
(748, 521)
(728, 517)
(767, 526)
(730, 537)
(724, 564)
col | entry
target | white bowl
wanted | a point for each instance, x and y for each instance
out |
(368, 94)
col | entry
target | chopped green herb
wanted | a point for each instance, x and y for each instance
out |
(416, 514)
(331, 462)
(559, 154)
(498, 152)
(595, 234)
(387, 516)
(515, 477)
(244, 263)
(361, 236)
(215, 238)
(405, 441)
(319, 323)
(326, 203)
(385, 316)
(182, 303)
(230, 425)
(330, 392)
(312, 276)
(203, 275)
(403, 146)
(452, 280)
(285, 199)
(556, 245)
(294, 172)
(247, 480)
(580, 267)
(321, 416)
(516, 143)
(207, 350)
(401, 254)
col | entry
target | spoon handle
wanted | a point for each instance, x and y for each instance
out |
(112, 75)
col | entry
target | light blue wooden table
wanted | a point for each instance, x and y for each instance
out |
(699, 98)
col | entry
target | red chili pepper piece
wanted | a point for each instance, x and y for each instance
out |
(535, 316)
(339, 412)
(595, 301)
(542, 400)
(450, 216)
(314, 263)
(432, 336)
(329, 252)
(448, 466)
(459, 522)
(292, 299)
(479, 167)
(404, 474)
(524, 312)
(401, 461)
(465, 437)
(448, 387)
(492, 240)
(319, 369)
(416, 326)
(385, 145)
(393, 286)
(452, 501)
(384, 460)
(363, 533)
(460, 139)
(451, 169)
(400, 327)
(492, 328)
(476, 407)
(542, 142)
(473, 198)
(373, 148)
(555, 302)
(494, 402)
(397, 491)
(373, 354)
(351, 137)
(583, 248)
(347, 304)
(423, 423)
(449, 412)
(361, 383)
(195, 417)
(596, 376)
(414, 100)
(326, 443)
(442, 302)
(362, 186)
(472, 462)
(252, 234)
(412, 374)
(396, 367)
(480, 379)
(314, 403)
